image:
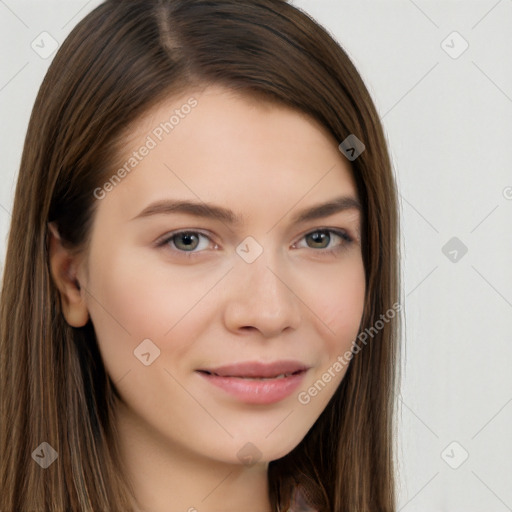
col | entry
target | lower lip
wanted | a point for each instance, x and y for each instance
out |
(267, 391)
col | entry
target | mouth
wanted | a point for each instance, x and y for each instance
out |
(246, 377)
(255, 382)
(257, 369)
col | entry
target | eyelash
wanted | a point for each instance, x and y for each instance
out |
(346, 240)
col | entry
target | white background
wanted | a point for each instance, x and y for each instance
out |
(448, 122)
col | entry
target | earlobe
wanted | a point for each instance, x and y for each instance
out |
(63, 270)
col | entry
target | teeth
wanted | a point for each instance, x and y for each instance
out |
(280, 376)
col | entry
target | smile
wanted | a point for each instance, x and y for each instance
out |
(256, 390)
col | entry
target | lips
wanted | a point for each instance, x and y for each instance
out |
(255, 382)
(257, 370)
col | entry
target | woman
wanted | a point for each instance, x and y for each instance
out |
(201, 279)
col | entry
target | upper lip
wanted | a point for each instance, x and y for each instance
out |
(257, 369)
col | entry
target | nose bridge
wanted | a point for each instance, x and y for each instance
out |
(265, 281)
(260, 296)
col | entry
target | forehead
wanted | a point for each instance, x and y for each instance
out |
(229, 147)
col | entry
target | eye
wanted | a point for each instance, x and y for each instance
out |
(189, 243)
(186, 242)
(322, 238)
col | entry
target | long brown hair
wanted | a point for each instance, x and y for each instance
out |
(119, 61)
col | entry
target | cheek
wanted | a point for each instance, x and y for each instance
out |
(339, 308)
(131, 300)
(339, 305)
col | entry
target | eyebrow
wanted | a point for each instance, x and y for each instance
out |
(216, 212)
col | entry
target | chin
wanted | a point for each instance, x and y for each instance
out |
(258, 449)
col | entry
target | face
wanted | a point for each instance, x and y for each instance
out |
(210, 251)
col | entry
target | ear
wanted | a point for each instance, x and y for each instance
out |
(63, 267)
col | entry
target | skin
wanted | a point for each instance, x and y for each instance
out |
(179, 436)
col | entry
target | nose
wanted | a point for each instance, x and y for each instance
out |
(261, 298)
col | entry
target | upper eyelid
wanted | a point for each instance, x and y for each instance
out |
(334, 230)
(168, 236)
